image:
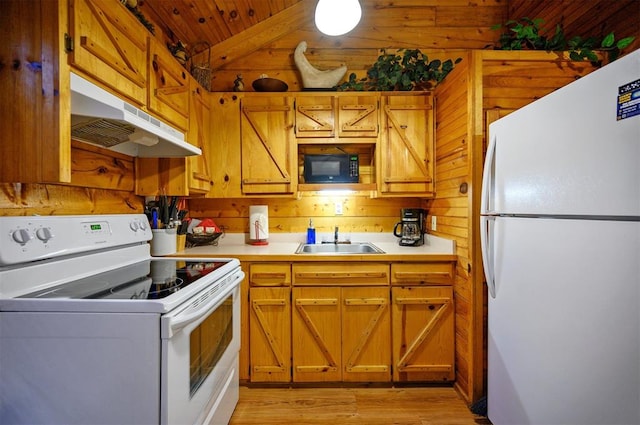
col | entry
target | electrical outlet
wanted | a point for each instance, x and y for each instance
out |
(434, 222)
(338, 208)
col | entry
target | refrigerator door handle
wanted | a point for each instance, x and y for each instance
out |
(487, 192)
(486, 242)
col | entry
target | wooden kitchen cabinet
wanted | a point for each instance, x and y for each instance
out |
(315, 116)
(340, 274)
(270, 322)
(268, 147)
(34, 81)
(168, 87)
(406, 149)
(337, 118)
(366, 332)
(199, 134)
(223, 150)
(316, 326)
(423, 274)
(358, 116)
(109, 45)
(341, 322)
(422, 320)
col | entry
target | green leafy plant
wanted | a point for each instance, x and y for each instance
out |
(405, 70)
(528, 34)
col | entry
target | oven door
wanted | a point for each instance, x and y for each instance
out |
(200, 344)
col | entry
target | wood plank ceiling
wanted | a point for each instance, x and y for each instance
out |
(237, 28)
(255, 37)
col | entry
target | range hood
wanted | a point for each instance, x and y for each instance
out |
(100, 118)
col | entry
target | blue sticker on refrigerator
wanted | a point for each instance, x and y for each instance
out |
(629, 100)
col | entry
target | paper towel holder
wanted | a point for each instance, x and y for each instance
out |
(258, 225)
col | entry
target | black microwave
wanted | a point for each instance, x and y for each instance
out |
(331, 168)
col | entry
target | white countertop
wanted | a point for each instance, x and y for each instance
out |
(231, 244)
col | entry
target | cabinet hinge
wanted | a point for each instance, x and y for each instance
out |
(68, 43)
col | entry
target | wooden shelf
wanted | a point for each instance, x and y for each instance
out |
(314, 187)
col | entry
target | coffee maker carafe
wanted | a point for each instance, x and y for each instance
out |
(410, 229)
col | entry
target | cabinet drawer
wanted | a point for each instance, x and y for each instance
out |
(270, 274)
(438, 273)
(342, 274)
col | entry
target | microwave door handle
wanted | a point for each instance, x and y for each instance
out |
(178, 322)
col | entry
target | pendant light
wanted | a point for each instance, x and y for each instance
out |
(337, 17)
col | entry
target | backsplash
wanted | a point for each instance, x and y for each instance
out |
(360, 213)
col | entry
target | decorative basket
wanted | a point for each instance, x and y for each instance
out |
(200, 240)
(201, 70)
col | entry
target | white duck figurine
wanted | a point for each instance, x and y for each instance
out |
(315, 78)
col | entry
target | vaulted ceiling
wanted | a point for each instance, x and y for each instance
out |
(236, 28)
(254, 37)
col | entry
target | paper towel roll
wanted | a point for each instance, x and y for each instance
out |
(258, 223)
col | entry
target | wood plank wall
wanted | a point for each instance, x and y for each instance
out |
(102, 182)
(584, 17)
(439, 27)
(361, 213)
(452, 207)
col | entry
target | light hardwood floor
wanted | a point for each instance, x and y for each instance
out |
(367, 406)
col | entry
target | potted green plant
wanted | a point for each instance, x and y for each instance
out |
(528, 34)
(405, 70)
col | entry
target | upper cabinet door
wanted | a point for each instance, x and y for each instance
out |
(268, 150)
(199, 135)
(34, 82)
(337, 117)
(110, 45)
(358, 115)
(168, 87)
(406, 151)
(315, 116)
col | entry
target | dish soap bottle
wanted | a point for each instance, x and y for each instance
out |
(311, 233)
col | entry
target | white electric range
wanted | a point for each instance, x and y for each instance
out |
(95, 330)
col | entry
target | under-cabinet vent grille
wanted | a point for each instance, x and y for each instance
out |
(102, 132)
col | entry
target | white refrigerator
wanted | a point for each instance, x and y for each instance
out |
(560, 232)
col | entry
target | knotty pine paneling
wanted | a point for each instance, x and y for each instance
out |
(360, 212)
(438, 27)
(102, 182)
(584, 17)
(451, 207)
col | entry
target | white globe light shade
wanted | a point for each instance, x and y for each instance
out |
(337, 17)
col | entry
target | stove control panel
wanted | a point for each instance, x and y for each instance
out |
(26, 239)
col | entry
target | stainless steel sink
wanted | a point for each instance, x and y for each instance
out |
(339, 248)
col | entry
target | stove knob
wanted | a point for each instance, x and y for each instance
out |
(44, 234)
(22, 236)
(133, 226)
(143, 225)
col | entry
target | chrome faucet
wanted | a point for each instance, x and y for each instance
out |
(335, 235)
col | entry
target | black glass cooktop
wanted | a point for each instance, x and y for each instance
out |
(150, 279)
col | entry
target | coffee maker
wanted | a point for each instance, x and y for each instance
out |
(410, 229)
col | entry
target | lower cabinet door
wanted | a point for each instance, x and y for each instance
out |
(270, 334)
(366, 333)
(341, 334)
(423, 333)
(316, 322)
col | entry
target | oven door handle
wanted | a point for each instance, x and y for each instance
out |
(198, 311)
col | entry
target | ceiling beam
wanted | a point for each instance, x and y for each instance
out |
(261, 34)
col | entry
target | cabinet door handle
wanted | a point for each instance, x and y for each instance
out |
(268, 275)
(316, 301)
(425, 301)
(334, 275)
(365, 301)
(426, 276)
